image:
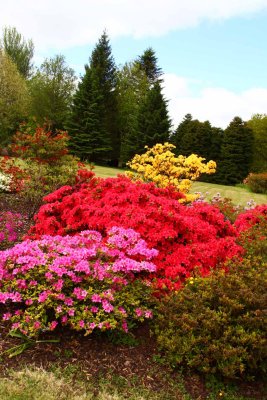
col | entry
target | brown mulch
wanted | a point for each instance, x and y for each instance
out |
(96, 355)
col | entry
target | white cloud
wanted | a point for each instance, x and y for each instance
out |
(217, 105)
(60, 24)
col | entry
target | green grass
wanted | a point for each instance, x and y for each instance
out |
(68, 384)
(71, 383)
(239, 196)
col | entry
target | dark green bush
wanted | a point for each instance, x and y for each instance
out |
(257, 183)
(218, 324)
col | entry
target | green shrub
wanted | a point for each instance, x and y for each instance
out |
(218, 324)
(257, 183)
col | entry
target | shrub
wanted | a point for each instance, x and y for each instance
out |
(250, 218)
(38, 143)
(160, 165)
(257, 183)
(217, 324)
(186, 236)
(13, 174)
(46, 163)
(83, 281)
(252, 227)
(9, 226)
(5, 182)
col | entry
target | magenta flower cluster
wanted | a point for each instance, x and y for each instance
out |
(84, 281)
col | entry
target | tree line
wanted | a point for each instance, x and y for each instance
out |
(112, 113)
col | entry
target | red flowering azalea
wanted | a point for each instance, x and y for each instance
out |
(186, 236)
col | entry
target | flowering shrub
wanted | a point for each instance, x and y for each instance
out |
(83, 281)
(186, 236)
(38, 143)
(5, 182)
(160, 165)
(251, 218)
(9, 225)
(14, 175)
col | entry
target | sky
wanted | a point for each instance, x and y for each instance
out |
(212, 52)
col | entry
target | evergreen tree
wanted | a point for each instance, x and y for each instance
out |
(236, 152)
(103, 72)
(87, 137)
(193, 136)
(148, 63)
(154, 123)
(132, 88)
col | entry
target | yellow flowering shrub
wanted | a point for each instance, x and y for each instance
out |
(161, 166)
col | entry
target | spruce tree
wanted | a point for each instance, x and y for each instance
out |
(154, 123)
(236, 152)
(103, 71)
(88, 140)
(148, 62)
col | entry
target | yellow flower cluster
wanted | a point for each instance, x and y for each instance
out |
(160, 165)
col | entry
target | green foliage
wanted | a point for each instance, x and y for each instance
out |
(132, 86)
(19, 50)
(104, 76)
(88, 139)
(154, 123)
(52, 88)
(148, 63)
(14, 98)
(258, 124)
(236, 152)
(193, 136)
(257, 183)
(217, 324)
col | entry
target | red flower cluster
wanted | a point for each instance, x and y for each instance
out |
(251, 218)
(186, 236)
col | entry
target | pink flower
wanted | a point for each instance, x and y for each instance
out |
(37, 325)
(122, 310)
(53, 325)
(64, 319)
(68, 302)
(28, 302)
(82, 323)
(148, 314)
(71, 312)
(138, 312)
(107, 306)
(124, 326)
(94, 309)
(7, 316)
(96, 298)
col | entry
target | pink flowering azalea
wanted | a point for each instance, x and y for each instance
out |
(78, 279)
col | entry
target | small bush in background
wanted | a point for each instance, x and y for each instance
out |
(257, 183)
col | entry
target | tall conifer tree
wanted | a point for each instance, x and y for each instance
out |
(88, 139)
(236, 152)
(104, 75)
(154, 124)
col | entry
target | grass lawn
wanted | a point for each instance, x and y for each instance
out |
(238, 195)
